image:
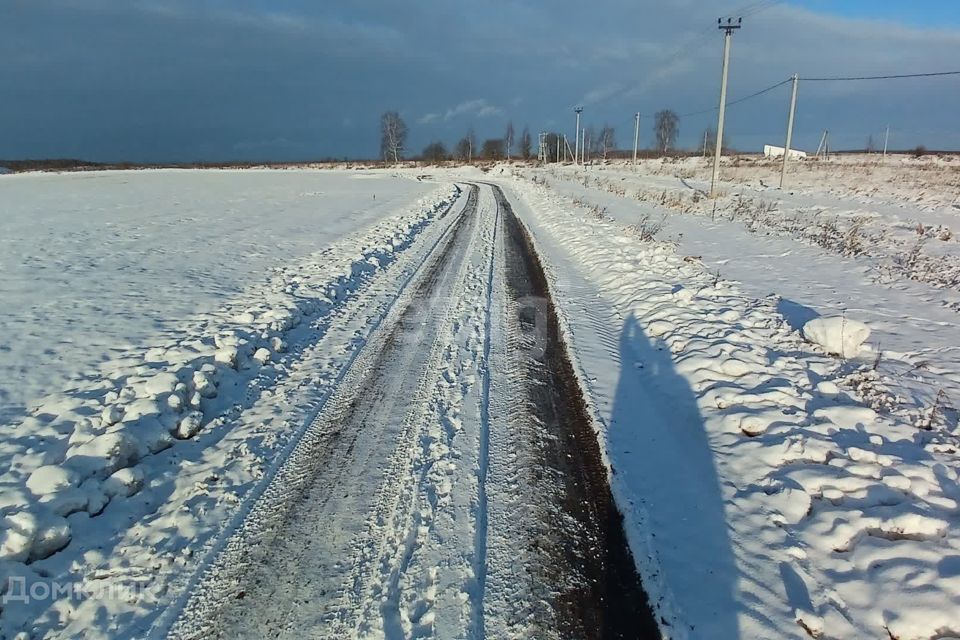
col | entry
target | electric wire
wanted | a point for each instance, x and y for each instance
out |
(739, 100)
(890, 77)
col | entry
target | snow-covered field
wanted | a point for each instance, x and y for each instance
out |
(772, 377)
(93, 264)
(140, 309)
(775, 490)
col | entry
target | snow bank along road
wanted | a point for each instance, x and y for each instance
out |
(769, 490)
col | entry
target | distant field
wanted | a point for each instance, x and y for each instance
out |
(93, 262)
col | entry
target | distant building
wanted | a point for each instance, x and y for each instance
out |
(770, 151)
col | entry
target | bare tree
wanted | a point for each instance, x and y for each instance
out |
(666, 127)
(493, 149)
(472, 144)
(435, 152)
(393, 136)
(606, 141)
(870, 146)
(466, 147)
(525, 144)
(591, 141)
(462, 151)
(508, 140)
(551, 146)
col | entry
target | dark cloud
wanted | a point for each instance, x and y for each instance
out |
(184, 80)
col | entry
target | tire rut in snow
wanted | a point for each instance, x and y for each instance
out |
(281, 575)
(580, 546)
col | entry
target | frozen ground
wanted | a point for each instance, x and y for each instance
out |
(94, 264)
(397, 407)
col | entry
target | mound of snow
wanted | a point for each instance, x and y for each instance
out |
(838, 336)
(49, 479)
(103, 455)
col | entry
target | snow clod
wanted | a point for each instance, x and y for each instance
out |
(50, 479)
(189, 425)
(103, 455)
(838, 336)
(124, 483)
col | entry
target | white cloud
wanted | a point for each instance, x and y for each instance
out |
(479, 108)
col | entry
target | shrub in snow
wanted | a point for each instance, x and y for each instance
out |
(838, 336)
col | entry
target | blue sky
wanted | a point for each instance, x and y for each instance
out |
(183, 80)
(924, 13)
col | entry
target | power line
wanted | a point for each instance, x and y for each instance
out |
(903, 75)
(750, 9)
(833, 79)
(739, 100)
(763, 6)
(697, 38)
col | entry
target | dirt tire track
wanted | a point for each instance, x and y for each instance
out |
(580, 545)
(222, 584)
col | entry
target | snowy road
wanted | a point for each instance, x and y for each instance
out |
(452, 485)
(483, 415)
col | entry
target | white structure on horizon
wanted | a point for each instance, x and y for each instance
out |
(770, 151)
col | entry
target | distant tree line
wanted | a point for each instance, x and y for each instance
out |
(600, 144)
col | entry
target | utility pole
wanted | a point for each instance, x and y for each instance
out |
(636, 138)
(793, 110)
(576, 140)
(583, 145)
(728, 30)
(821, 146)
(886, 139)
(558, 147)
(705, 144)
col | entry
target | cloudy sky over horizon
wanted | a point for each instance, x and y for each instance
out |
(182, 80)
